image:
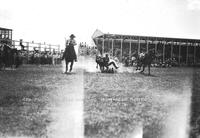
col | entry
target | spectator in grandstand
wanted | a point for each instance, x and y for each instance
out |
(32, 58)
(49, 58)
(22, 46)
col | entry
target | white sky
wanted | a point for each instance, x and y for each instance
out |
(51, 20)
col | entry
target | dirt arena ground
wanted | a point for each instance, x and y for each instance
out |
(40, 101)
(135, 105)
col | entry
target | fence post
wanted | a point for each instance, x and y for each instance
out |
(103, 47)
(130, 50)
(13, 43)
(195, 53)
(138, 45)
(27, 44)
(40, 47)
(58, 48)
(113, 47)
(156, 42)
(172, 50)
(50, 48)
(164, 52)
(121, 49)
(179, 54)
(187, 54)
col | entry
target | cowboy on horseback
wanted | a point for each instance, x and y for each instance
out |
(141, 55)
(140, 60)
(9, 57)
(69, 53)
(146, 60)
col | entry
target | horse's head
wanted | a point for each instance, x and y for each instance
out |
(14, 51)
(152, 53)
(6, 47)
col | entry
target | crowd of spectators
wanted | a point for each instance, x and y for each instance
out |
(158, 62)
(40, 58)
(85, 50)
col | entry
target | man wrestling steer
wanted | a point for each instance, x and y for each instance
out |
(105, 62)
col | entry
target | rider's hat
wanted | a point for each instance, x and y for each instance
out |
(72, 35)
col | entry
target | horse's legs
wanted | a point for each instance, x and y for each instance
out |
(140, 67)
(137, 66)
(71, 65)
(149, 68)
(143, 68)
(66, 66)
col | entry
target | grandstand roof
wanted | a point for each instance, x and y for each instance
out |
(1, 28)
(137, 37)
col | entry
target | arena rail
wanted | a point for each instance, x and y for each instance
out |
(37, 53)
(31, 46)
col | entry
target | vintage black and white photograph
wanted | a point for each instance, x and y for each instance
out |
(100, 69)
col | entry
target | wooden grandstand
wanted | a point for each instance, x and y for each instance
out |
(185, 51)
(5, 36)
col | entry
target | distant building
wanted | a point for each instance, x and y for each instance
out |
(184, 51)
(5, 36)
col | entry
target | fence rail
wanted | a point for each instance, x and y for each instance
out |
(35, 53)
(31, 46)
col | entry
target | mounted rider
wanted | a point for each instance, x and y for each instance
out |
(69, 54)
(140, 59)
(141, 55)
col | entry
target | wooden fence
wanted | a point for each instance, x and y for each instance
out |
(31, 46)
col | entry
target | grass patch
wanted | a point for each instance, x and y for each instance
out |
(25, 96)
(115, 104)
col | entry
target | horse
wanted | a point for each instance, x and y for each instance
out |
(145, 61)
(70, 56)
(100, 62)
(138, 59)
(9, 57)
